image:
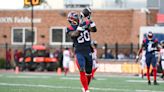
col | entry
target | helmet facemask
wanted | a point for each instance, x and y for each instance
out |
(150, 35)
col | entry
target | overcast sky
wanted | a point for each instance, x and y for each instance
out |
(11, 4)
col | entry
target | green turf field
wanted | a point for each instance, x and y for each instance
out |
(43, 82)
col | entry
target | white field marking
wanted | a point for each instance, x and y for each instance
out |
(55, 74)
(39, 73)
(21, 76)
(74, 88)
(147, 91)
(77, 78)
(67, 78)
(101, 79)
(142, 81)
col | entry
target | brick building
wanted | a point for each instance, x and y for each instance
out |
(121, 26)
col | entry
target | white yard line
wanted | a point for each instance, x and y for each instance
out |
(68, 78)
(74, 88)
(143, 81)
(77, 78)
(22, 76)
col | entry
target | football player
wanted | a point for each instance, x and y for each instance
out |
(79, 31)
(150, 45)
(161, 57)
(94, 58)
(142, 62)
(66, 60)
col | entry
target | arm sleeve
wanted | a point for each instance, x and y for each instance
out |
(92, 24)
(72, 32)
(93, 27)
(89, 25)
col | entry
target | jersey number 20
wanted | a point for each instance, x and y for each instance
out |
(84, 36)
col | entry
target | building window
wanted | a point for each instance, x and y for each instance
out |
(58, 36)
(28, 35)
(21, 36)
(18, 35)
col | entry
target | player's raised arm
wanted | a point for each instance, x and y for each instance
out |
(92, 27)
(85, 17)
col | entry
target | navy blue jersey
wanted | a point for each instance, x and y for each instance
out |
(83, 41)
(150, 45)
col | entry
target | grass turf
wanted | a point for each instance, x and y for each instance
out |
(31, 82)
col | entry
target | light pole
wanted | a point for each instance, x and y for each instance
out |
(32, 23)
(32, 28)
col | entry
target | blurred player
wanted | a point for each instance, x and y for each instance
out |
(161, 58)
(79, 30)
(150, 45)
(142, 62)
(66, 60)
(94, 58)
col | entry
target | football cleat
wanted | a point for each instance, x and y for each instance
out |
(162, 77)
(155, 83)
(149, 82)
